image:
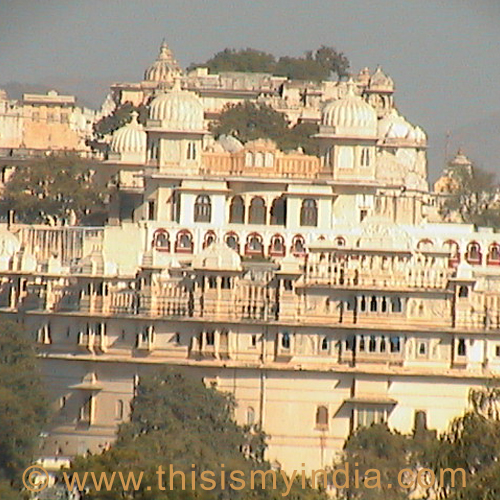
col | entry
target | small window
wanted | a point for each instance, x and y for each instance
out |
(422, 348)
(285, 341)
(309, 213)
(463, 291)
(250, 416)
(151, 210)
(461, 347)
(373, 304)
(395, 344)
(202, 209)
(210, 338)
(324, 344)
(322, 417)
(396, 305)
(232, 242)
(257, 214)
(288, 284)
(237, 211)
(372, 346)
(191, 151)
(177, 338)
(253, 341)
(497, 351)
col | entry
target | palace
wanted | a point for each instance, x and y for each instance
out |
(324, 292)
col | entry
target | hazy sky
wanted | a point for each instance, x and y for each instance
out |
(443, 55)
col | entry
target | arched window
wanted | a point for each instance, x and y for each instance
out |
(454, 249)
(237, 211)
(461, 347)
(396, 305)
(250, 416)
(257, 211)
(232, 241)
(322, 417)
(202, 209)
(425, 245)
(209, 239)
(161, 240)
(278, 212)
(463, 291)
(277, 246)
(493, 254)
(298, 245)
(309, 213)
(285, 340)
(248, 159)
(473, 255)
(254, 244)
(324, 344)
(259, 159)
(269, 160)
(184, 242)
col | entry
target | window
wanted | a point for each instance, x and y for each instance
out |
(422, 348)
(346, 157)
(209, 239)
(339, 241)
(250, 416)
(254, 244)
(420, 420)
(259, 159)
(184, 242)
(461, 347)
(237, 211)
(497, 351)
(153, 150)
(253, 341)
(248, 159)
(278, 212)
(277, 246)
(365, 157)
(161, 240)
(396, 305)
(257, 213)
(324, 344)
(202, 209)
(309, 213)
(232, 241)
(372, 345)
(395, 344)
(285, 341)
(85, 415)
(210, 338)
(151, 210)
(298, 245)
(322, 417)
(373, 304)
(288, 285)
(463, 291)
(370, 415)
(191, 151)
(452, 247)
(363, 214)
(493, 254)
(473, 255)
(120, 410)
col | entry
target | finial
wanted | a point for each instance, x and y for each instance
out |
(350, 86)
(135, 116)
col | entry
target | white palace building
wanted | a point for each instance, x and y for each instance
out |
(323, 292)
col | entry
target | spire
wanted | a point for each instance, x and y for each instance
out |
(135, 116)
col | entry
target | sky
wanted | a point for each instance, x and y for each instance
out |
(442, 54)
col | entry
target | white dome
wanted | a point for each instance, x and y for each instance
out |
(130, 138)
(394, 126)
(177, 110)
(165, 68)
(350, 115)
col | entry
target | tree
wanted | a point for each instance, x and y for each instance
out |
(118, 118)
(474, 196)
(473, 444)
(176, 420)
(246, 60)
(377, 454)
(314, 65)
(23, 406)
(55, 189)
(248, 121)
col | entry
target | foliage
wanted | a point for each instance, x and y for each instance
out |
(176, 420)
(475, 198)
(55, 189)
(23, 406)
(473, 444)
(118, 118)
(380, 449)
(315, 65)
(248, 121)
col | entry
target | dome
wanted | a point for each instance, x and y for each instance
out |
(131, 138)
(217, 257)
(350, 115)
(165, 68)
(394, 126)
(379, 80)
(177, 110)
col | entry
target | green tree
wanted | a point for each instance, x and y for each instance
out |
(249, 121)
(23, 406)
(314, 65)
(176, 420)
(55, 188)
(377, 454)
(474, 196)
(118, 118)
(473, 445)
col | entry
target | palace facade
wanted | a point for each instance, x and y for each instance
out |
(324, 292)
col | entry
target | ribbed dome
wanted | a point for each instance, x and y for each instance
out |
(350, 116)
(380, 80)
(395, 126)
(165, 68)
(177, 110)
(130, 138)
